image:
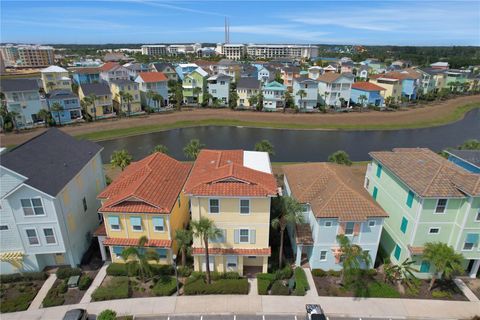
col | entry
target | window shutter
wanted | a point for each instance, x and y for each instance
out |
(341, 228)
(252, 236)
(236, 237)
(356, 229)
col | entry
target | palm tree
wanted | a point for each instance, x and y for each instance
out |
(291, 212)
(92, 98)
(121, 95)
(196, 93)
(362, 98)
(57, 107)
(302, 94)
(205, 229)
(192, 149)
(160, 148)
(444, 259)
(128, 98)
(158, 99)
(260, 101)
(143, 256)
(121, 159)
(13, 116)
(265, 146)
(150, 94)
(352, 257)
(252, 101)
(44, 114)
(389, 101)
(400, 274)
(184, 238)
(340, 157)
(232, 99)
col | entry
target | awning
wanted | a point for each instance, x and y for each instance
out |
(303, 234)
(15, 258)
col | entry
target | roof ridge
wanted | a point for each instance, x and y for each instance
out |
(31, 139)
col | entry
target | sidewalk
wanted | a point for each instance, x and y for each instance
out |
(312, 292)
(264, 305)
(466, 290)
(87, 297)
(42, 293)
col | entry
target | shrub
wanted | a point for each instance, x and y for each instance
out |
(319, 273)
(117, 289)
(223, 286)
(299, 291)
(284, 273)
(19, 303)
(439, 294)
(67, 272)
(107, 315)
(301, 282)
(333, 273)
(381, 290)
(54, 298)
(162, 269)
(232, 275)
(215, 275)
(117, 269)
(279, 289)
(17, 277)
(184, 271)
(63, 287)
(264, 281)
(197, 275)
(85, 282)
(165, 286)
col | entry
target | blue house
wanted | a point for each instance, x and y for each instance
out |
(366, 93)
(466, 159)
(86, 75)
(70, 103)
(183, 69)
(410, 82)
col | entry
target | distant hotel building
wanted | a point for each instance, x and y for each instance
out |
(173, 49)
(231, 51)
(27, 55)
(154, 50)
(267, 51)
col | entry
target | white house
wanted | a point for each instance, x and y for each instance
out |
(48, 201)
(113, 71)
(219, 88)
(22, 97)
(314, 72)
(305, 93)
(334, 88)
(273, 95)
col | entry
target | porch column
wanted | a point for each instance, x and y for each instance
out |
(102, 248)
(298, 260)
(474, 270)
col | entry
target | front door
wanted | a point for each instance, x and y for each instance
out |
(59, 259)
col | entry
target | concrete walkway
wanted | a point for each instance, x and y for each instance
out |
(253, 287)
(267, 305)
(87, 297)
(312, 292)
(42, 293)
(466, 290)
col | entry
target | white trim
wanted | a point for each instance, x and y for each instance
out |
(436, 206)
(240, 236)
(32, 206)
(54, 236)
(209, 206)
(320, 255)
(462, 227)
(39, 244)
(240, 206)
(169, 229)
(434, 233)
(328, 221)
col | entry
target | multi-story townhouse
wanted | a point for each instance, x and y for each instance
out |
(367, 93)
(195, 79)
(314, 72)
(154, 50)
(455, 77)
(86, 75)
(135, 68)
(113, 71)
(152, 82)
(467, 159)
(183, 69)
(440, 65)
(247, 88)
(273, 95)
(265, 73)
(393, 87)
(233, 188)
(230, 68)
(429, 80)
(410, 81)
(346, 67)
(375, 65)
(48, 199)
(248, 70)
(166, 68)
(102, 106)
(334, 203)
(219, 88)
(288, 75)
(145, 200)
(305, 93)
(331, 68)
(428, 199)
(119, 88)
(71, 110)
(55, 78)
(334, 88)
(23, 98)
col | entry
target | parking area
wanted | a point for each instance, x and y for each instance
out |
(246, 317)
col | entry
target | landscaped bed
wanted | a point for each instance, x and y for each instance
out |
(371, 284)
(222, 283)
(283, 283)
(18, 291)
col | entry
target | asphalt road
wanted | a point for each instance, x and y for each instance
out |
(244, 317)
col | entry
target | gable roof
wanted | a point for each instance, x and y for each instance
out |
(223, 173)
(53, 69)
(248, 83)
(87, 70)
(202, 72)
(50, 160)
(470, 156)
(274, 85)
(14, 85)
(150, 185)
(304, 79)
(367, 86)
(428, 174)
(330, 77)
(152, 76)
(161, 66)
(109, 66)
(98, 89)
(332, 190)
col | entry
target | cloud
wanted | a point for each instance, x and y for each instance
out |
(175, 7)
(68, 23)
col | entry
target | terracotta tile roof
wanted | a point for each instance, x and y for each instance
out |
(237, 251)
(303, 233)
(150, 185)
(333, 191)
(86, 70)
(400, 75)
(100, 231)
(152, 76)
(367, 86)
(329, 77)
(222, 173)
(130, 242)
(109, 66)
(428, 174)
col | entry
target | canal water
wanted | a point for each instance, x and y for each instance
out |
(300, 145)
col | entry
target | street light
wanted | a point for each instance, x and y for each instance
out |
(174, 257)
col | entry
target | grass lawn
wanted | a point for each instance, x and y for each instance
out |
(17, 296)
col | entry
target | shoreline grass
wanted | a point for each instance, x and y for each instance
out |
(454, 116)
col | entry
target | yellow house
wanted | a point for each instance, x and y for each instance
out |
(233, 188)
(102, 106)
(393, 87)
(117, 87)
(145, 200)
(55, 78)
(247, 87)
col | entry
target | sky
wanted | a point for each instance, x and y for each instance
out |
(311, 22)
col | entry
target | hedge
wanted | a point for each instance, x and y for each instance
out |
(118, 288)
(67, 272)
(279, 289)
(264, 281)
(85, 282)
(19, 303)
(285, 273)
(195, 286)
(107, 315)
(165, 286)
(184, 271)
(55, 295)
(130, 269)
(301, 282)
(27, 276)
(323, 273)
(214, 276)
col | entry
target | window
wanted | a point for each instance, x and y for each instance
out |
(244, 206)
(220, 238)
(328, 223)
(244, 236)
(162, 253)
(477, 218)
(371, 223)
(375, 193)
(410, 197)
(49, 236)
(441, 206)
(433, 230)
(84, 201)
(367, 183)
(117, 251)
(232, 261)
(3, 227)
(471, 240)
(158, 224)
(214, 205)
(136, 223)
(114, 223)
(349, 228)
(32, 207)
(425, 267)
(323, 255)
(379, 170)
(397, 252)
(403, 226)
(32, 237)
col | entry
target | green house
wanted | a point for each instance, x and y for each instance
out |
(194, 86)
(428, 199)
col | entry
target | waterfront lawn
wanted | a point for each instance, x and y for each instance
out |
(18, 291)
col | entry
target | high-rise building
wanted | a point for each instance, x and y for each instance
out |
(269, 51)
(27, 55)
(154, 49)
